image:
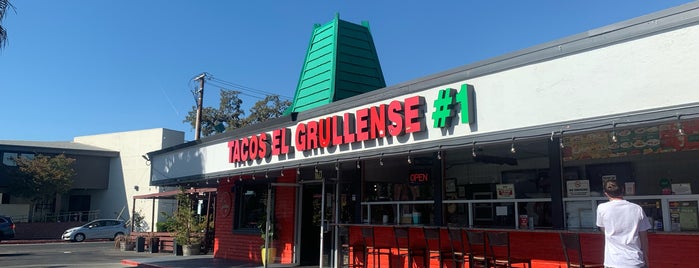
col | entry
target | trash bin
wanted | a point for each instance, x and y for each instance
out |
(140, 244)
(154, 246)
(176, 249)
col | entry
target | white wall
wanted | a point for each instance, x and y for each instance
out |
(130, 169)
(647, 73)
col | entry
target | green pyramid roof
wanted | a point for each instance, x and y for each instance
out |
(341, 62)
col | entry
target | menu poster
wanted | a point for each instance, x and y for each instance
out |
(578, 188)
(633, 141)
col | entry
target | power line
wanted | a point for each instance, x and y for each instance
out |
(246, 88)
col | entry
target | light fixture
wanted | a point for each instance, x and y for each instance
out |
(253, 175)
(560, 141)
(315, 168)
(512, 147)
(680, 131)
(241, 177)
(207, 182)
(337, 165)
(473, 149)
(614, 139)
(410, 160)
(552, 132)
(381, 160)
(358, 165)
(266, 174)
(439, 153)
(298, 170)
(228, 179)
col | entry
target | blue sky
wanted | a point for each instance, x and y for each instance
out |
(74, 68)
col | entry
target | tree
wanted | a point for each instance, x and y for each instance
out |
(42, 178)
(230, 114)
(269, 107)
(4, 4)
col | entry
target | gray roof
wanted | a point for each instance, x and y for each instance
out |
(58, 147)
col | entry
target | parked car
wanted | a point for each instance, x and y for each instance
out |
(7, 228)
(96, 229)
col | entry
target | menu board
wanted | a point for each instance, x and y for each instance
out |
(632, 141)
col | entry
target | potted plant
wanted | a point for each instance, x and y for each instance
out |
(124, 243)
(153, 243)
(270, 252)
(187, 229)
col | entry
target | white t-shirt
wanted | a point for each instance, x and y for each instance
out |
(622, 221)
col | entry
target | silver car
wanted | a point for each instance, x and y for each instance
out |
(96, 229)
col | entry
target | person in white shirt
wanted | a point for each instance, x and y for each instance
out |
(625, 229)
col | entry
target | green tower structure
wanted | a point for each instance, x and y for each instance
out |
(341, 62)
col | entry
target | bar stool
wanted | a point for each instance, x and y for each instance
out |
(573, 251)
(375, 249)
(476, 249)
(500, 242)
(403, 245)
(356, 247)
(433, 243)
(458, 252)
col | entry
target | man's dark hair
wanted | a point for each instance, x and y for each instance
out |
(612, 189)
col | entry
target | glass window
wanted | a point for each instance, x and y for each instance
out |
(251, 202)
(8, 159)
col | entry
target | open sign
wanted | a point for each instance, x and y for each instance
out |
(418, 178)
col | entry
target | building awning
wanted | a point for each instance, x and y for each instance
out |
(172, 194)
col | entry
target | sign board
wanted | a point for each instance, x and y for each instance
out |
(578, 188)
(681, 188)
(505, 190)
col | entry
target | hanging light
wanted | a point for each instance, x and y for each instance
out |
(281, 172)
(253, 176)
(410, 160)
(560, 141)
(298, 170)
(614, 139)
(439, 154)
(228, 180)
(512, 147)
(241, 177)
(217, 181)
(266, 175)
(315, 168)
(473, 149)
(337, 165)
(358, 165)
(381, 160)
(680, 130)
(552, 132)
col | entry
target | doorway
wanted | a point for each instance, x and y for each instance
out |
(310, 224)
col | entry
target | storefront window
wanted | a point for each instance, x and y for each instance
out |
(251, 202)
(400, 192)
(498, 185)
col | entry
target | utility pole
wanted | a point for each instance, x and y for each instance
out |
(200, 104)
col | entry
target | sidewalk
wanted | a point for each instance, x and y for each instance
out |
(203, 261)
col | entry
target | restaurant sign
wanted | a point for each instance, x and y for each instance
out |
(394, 118)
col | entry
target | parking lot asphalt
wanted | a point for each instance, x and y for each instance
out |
(167, 260)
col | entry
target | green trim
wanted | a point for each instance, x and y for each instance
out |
(341, 62)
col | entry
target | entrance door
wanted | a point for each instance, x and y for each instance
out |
(310, 224)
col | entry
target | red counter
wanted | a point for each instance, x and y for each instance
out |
(544, 246)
